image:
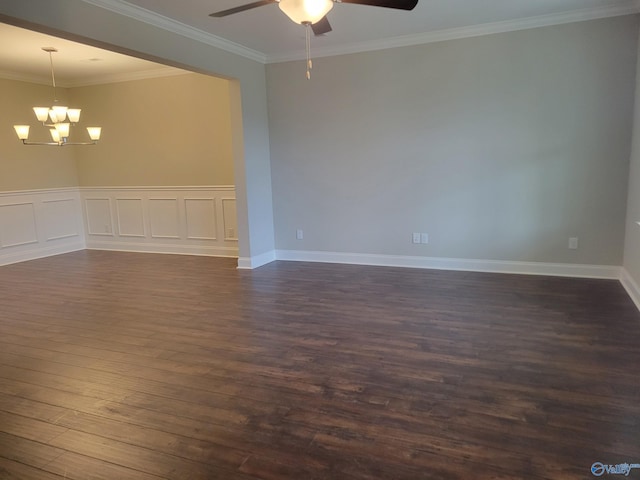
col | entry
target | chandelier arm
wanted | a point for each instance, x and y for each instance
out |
(59, 144)
(26, 142)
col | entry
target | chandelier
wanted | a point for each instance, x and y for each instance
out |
(57, 118)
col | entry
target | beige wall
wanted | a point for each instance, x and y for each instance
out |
(170, 131)
(163, 131)
(30, 167)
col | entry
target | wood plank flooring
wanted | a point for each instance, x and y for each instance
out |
(138, 366)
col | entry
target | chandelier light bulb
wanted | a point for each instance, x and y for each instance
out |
(42, 113)
(73, 114)
(62, 129)
(22, 131)
(94, 133)
(61, 112)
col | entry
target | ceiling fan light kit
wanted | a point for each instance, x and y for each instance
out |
(306, 12)
(60, 119)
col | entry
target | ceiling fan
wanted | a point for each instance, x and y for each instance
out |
(314, 12)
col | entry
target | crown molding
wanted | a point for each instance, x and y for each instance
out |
(628, 7)
(97, 80)
(143, 15)
(127, 77)
(24, 77)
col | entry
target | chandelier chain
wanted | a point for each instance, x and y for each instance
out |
(53, 77)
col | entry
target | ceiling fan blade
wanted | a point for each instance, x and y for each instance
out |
(242, 8)
(322, 26)
(398, 4)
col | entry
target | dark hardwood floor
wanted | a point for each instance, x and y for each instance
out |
(139, 366)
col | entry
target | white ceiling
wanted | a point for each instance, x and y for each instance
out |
(22, 58)
(267, 35)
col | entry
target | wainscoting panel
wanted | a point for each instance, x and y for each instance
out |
(99, 217)
(164, 218)
(39, 223)
(19, 225)
(60, 218)
(201, 218)
(188, 220)
(130, 217)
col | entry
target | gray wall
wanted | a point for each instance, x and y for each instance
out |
(632, 242)
(500, 147)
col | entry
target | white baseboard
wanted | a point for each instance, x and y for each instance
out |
(39, 252)
(462, 264)
(176, 249)
(249, 263)
(630, 286)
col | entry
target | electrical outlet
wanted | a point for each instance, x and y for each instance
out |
(416, 237)
(299, 234)
(573, 243)
(424, 238)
